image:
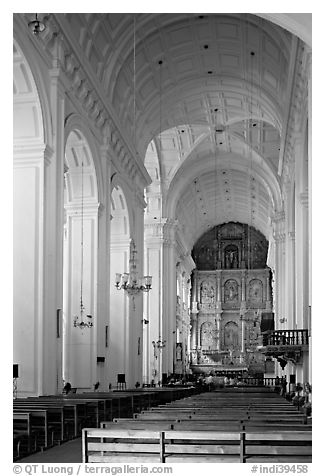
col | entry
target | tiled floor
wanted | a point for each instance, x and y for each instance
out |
(69, 452)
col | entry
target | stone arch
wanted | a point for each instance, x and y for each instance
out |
(32, 112)
(76, 124)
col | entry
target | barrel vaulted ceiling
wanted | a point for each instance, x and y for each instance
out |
(209, 119)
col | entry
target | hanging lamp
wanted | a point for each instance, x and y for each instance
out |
(79, 320)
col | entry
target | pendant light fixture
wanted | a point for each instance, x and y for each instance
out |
(129, 281)
(79, 320)
(36, 26)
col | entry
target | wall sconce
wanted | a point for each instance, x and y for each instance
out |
(145, 321)
(283, 320)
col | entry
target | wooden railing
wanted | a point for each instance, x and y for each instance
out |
(256, 381)
(286, 337)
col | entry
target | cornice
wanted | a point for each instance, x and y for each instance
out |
(297, 112)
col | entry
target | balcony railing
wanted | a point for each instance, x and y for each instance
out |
(291, 337)
(255, 381)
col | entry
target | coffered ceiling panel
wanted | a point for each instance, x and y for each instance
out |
(219, 97)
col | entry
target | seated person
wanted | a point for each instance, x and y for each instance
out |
(67, 388)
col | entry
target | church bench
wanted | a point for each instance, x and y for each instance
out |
(224, 425)
(120, 445)
(130, 423)
(243, 410)
(289, 446)
(220, 416)
(185, 446)
(24, 438)
(40, 424)
(131, 445)
(75, 412)
(128, 445)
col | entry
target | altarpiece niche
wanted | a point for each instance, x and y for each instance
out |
(232, 286)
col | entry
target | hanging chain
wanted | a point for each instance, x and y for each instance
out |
(82, 237)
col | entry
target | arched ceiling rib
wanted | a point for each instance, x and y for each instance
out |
(200, 56)
(28, 120)
(224, 72)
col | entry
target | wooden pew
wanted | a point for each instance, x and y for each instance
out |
(119, 446)
(75, 412)
(286, 446)
(40, 424)
(202, 446)
(24, 438)
(133, 445)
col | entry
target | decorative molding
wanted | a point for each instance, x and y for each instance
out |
(278, 223)
(298, 111)
(90, 96)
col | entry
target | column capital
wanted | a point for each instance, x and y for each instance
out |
(31, 154)
(278, 222)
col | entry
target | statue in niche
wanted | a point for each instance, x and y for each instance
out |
(231, 336)
(255, 290)
(231, 257)
(207, 293)
(231, 290)
(207, 335)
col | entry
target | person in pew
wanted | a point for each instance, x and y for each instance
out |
(283, 390)
(67, 388)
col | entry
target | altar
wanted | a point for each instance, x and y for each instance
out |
(231, 290)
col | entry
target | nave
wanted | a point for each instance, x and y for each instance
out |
(224, 425)
(162, 223)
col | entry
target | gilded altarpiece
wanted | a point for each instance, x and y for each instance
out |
(231, 288)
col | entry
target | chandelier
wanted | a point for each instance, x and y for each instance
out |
(130, 282)
(79, 320)
(158, 345)
(36, 26)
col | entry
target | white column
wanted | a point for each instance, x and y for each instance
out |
(28, 266)
(309, 152)
(218, 322)
(242, 319)
(136, 312)
(302, 235)
(153, 300)
(53, 235)
(289, 258)
(279, 278)
(104, 283)
(81, 345)
(169, 295)
(118, 312)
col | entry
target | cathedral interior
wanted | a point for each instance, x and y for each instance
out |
(161, 198)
